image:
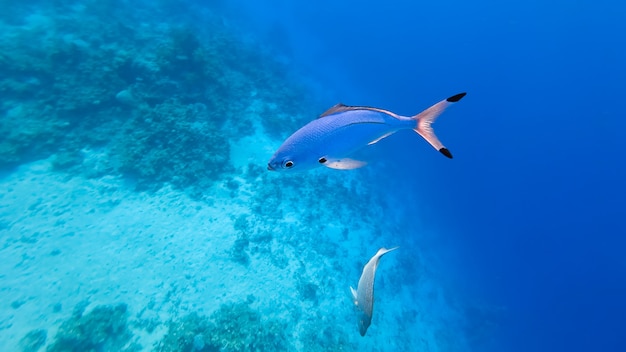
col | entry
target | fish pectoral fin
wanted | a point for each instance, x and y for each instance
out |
(354, 299)
(344, 164)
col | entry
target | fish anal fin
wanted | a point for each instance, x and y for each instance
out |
(344, 164)
(380, 138)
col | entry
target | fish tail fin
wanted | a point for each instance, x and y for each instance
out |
(384, 250)
(427, 117)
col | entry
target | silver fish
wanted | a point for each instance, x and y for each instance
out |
(342, 130)
(364, 294)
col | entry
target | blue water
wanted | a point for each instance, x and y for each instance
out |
(528, 221)
(533, 205)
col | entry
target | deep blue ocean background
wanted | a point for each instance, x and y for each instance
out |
(531, 210)
(526, 225)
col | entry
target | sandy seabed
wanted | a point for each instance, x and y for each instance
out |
(68, 241)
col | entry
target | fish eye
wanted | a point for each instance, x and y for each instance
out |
(288, 164)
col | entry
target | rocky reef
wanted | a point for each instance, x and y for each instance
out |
(105, 328)
(158, 98)
(234, 327)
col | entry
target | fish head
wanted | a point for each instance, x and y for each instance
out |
(281, 164)
(364, 323)
(287, 159)
(305, 149)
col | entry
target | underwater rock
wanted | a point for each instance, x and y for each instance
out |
(33, 341)
(126, 97)
(238, 252)
(198, 342)
(308, 291)
(17, 303)
(56, 308)
(67, 160)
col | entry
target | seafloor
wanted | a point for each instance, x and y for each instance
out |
(136, 212)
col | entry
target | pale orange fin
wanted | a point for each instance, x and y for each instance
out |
(426, 118)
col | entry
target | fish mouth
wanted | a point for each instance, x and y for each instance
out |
(269, 167)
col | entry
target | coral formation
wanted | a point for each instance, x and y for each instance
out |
(172, 143)
(182, 334)
(239, 328)
(232, 328)
(103, 329)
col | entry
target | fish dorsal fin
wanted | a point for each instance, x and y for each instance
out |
(343, 108)
(339, 107)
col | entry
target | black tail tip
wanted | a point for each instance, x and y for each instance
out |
(445, 152)
(455, 98)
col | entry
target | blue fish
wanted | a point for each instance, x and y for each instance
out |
(342, 130)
